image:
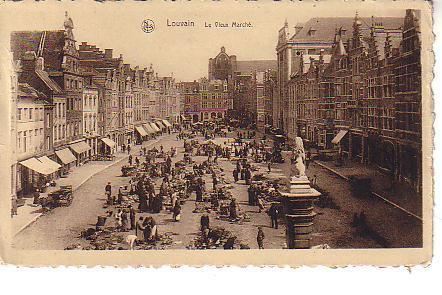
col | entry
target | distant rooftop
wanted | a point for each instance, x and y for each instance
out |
(324, 28)
(245, 66)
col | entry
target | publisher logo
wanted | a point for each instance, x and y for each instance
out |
(148, 26)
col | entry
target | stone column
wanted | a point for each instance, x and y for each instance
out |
(298, 211)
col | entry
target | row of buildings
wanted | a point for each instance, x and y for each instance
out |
(233, 88)
(72, 102)
(353, 85)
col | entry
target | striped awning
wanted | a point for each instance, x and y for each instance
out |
(160, 125)
(80, 147)
(166, 123)
(155, 127)
(66, 156)
(148, 128)
(141, 130)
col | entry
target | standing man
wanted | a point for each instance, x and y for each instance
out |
(273, 213)
(260, 238)
(235, 174)
(108, 189)
(131, 217)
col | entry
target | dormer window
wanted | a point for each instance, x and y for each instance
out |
(311, 32)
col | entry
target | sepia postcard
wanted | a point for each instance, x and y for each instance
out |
(149, 133)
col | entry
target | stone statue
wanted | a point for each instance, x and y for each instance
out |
(298, 159)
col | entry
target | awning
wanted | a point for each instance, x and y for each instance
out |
(80, 147)
(66, 156)
(109, 142)
(155, 127)
(141, 130)
(166, 123)
(45, 160)
(148, 128)
(339, 136)
(160, 124)
(38, 166)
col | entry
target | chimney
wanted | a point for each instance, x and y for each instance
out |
(28, 61)
(108, 53)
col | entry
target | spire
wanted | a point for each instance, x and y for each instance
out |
(286, 23)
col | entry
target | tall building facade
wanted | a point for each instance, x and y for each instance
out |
(309, 39)
(362, 97)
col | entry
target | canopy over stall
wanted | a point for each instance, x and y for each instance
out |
(155, 127)
(166, 123)
(109, 142)
(80, 147)
(45, 160)
(39, 167)
(66, 156)
(148, 129)
(141, 130)
(160, 125)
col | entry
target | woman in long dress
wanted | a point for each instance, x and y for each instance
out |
(147, 229)
(139, 229)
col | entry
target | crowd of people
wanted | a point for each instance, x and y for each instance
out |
(158, 183)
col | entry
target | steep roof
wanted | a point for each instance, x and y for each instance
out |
(324, 28)
(48, 44)
(49, 82)
(245, 66)
(25, 90)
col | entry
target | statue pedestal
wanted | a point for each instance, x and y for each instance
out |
(298, 211)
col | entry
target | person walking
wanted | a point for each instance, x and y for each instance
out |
(269, 166)
(177, 211)
(128, 149)
(130, 160)
(260, 238)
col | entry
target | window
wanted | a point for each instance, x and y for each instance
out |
(19, 114)
(19, 134)
(30, 138)
(48, 123)
(25, 113)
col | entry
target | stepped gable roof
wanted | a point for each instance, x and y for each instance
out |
(52, 48)
(255, 65)
(324, 28)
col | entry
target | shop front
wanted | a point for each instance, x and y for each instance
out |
(81, 149)
(35, 174)
(160, 125)
(150, 131)
(109, 146)
(140, 134)
(66, 158)
(155, 127)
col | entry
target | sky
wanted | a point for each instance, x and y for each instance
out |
(183, 51)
